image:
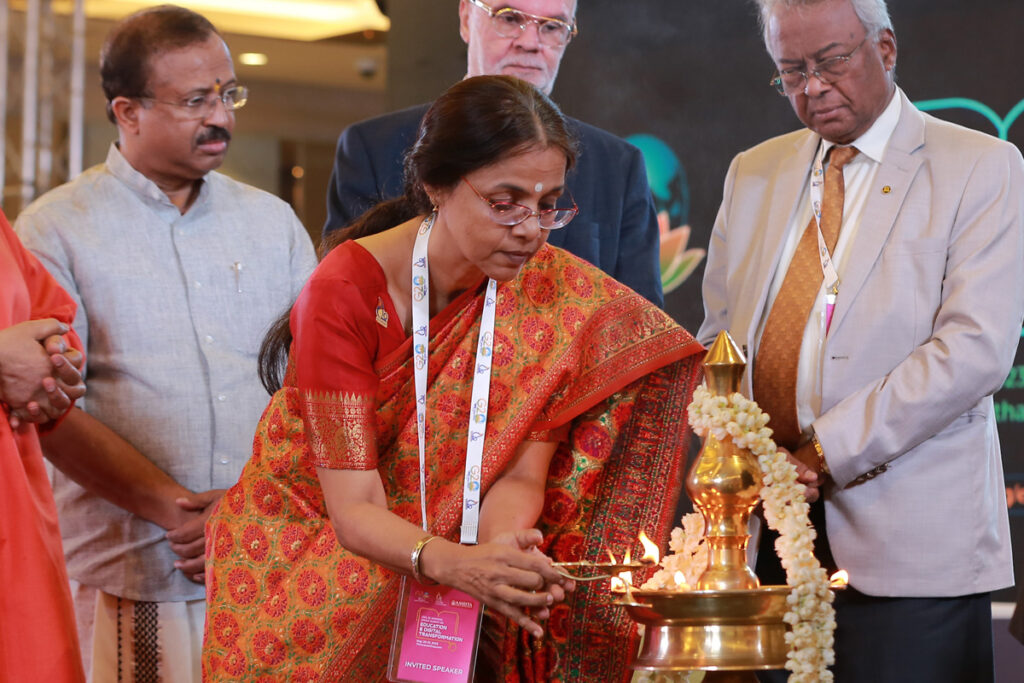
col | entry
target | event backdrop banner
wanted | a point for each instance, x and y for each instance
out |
(688, 83)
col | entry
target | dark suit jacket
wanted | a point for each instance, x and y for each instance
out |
(616, 229)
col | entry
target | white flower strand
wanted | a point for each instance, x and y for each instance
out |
(689, 557)
(810, 615)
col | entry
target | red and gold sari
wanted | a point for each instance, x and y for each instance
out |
(578, 358)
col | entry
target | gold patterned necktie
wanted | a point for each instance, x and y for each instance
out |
(778, 355)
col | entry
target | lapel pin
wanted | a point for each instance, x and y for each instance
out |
(886, 189)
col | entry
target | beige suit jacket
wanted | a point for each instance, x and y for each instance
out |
(924, 332)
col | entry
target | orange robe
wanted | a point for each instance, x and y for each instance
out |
(38, 640)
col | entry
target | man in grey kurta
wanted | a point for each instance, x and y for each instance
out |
(177, 271)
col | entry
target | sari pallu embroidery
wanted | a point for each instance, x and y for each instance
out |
(547, 340)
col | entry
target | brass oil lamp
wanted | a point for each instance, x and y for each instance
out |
(729, 624)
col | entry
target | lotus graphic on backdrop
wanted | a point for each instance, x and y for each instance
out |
(667, 177)
(677, 262)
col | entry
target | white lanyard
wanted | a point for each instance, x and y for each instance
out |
(828, 269)
(481, 383)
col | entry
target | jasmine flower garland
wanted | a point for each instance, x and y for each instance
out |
(810, 615)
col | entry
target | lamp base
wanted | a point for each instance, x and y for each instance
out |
(719, 631)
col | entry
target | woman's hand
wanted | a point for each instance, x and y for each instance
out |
(508, 574)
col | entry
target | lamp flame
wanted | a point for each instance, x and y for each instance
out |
(680, 581)
(627, 577)
(651, 552)
(624, 581)
(839, 579)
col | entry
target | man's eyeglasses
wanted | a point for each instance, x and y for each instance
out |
(510, 23)
(200, 106)
(828, 71)
(512, 214)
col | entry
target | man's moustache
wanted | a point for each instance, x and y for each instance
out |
(213, 134)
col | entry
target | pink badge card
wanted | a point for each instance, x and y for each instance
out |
(437, 630)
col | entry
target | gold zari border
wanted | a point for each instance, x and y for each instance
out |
(341, 429)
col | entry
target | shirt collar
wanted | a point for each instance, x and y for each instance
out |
(873, 142)
(121, 169)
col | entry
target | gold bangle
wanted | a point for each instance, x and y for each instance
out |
(415, 559)
(822, 465)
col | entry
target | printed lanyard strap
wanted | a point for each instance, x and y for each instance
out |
(481, 384)
(828, 269)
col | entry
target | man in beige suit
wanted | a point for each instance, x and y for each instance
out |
(911, 323)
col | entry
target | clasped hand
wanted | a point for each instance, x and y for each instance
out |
(509, 574)
(188, 539)
(807, 473)
(39, 374)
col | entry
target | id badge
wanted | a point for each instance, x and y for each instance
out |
(437, 630)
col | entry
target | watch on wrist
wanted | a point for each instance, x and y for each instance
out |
(820, 452)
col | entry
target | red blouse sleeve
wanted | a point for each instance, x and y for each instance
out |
(338, 334)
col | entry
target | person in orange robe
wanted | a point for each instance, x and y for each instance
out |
(40, 357)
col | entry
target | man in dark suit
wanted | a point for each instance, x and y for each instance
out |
(616, 228)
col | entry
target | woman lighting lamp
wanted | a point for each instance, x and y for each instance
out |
(582, 446)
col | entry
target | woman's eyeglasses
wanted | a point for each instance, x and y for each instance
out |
(512, 214)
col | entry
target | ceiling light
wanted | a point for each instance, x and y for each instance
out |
(253, 58)
(290, 19)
